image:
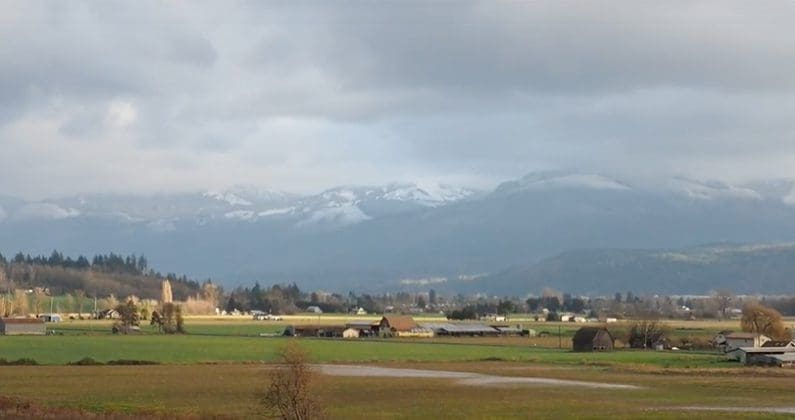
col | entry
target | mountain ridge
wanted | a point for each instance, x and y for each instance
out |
(373, 238)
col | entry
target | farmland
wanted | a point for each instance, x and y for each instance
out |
(226, 361)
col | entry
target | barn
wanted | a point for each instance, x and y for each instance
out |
(401, 326)
(22, 326)
(589, 339)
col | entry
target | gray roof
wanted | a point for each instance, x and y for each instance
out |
(509, 329)
(459, 328)
(763, 350)
(786, 357)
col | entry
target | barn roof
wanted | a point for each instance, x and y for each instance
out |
(775, 343)
(743, 335)
(587, 334)
(459, 328)
(362, 324)
(307, 327)
(764, 350)
(400, 322)
(23, 320)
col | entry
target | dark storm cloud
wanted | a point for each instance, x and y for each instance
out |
(305, 95)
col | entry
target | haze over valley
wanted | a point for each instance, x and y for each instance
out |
(583, 232)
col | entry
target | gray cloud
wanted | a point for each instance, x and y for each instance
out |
(147, 96)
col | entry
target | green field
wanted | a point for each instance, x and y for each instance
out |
(225, 361)
(186, 349)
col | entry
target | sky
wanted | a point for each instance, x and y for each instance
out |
(162, 96)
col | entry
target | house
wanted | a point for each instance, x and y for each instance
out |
(314, 310)
(22, 326)
(108, 314)
(361, 311)
(401, 326)
(729, 341)
(774, 343)
(588, 339)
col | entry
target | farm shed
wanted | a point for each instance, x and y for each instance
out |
(457, 330)
(22, 326)
(780, 360)
(314, 331)
(747, 355)
(50, 317)
(592, 339)
(509, 330)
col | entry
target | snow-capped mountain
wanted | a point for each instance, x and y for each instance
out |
(373, 236)
(711, 190)
(561, 180)
(335, 207)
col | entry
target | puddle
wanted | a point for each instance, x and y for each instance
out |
(464, 378)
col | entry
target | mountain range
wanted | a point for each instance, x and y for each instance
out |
(561, 229)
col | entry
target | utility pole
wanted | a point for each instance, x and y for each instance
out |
(560, 339)
(91, 324)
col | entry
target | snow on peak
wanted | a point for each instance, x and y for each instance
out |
(562, 179)
(227, 197)
(47, 211)
(340, 197)
(276, 212)
(431, 195)
(337, 215)
(244, 215)
(712, 190)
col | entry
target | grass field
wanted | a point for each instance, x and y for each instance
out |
(225, 362)
(202, 349)
(233, 390)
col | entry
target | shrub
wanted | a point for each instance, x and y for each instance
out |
(19, 362)
(86, 361)
(131, 362)
(289, 395)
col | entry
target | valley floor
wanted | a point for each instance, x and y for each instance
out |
(221, 369)
(233, 391)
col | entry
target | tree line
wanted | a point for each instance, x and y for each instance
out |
(111, 263)
(102, 275)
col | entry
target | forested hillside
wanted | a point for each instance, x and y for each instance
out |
(103, 275)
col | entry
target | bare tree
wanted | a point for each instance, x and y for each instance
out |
(169, 320)
(129, 315)
(38, 299)
(763, 320)
(289, 395)
(645, 333)
(723, 299)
